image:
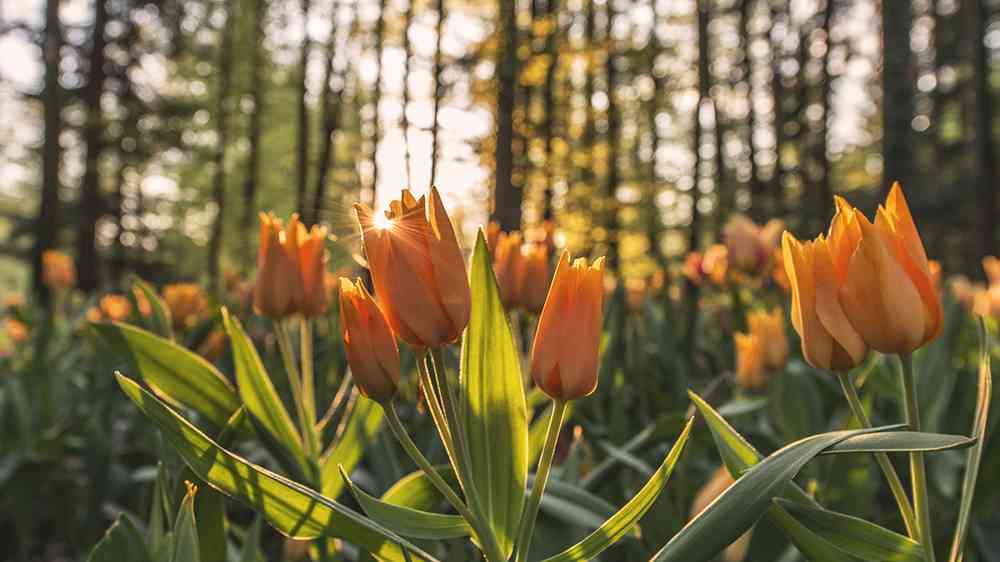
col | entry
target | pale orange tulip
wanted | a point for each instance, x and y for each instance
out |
(369, 342)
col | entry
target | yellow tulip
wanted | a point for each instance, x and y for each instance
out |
(888, 292)
(368, 340)
(417, 269)
(770, 327)
(565, 351)
(829, 340)
(751, 370)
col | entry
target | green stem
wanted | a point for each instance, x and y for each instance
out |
(918, 473)
(434, 406)
(492, 551)
(294, 381)
(530, 514)
(308, 382)
(895, 484)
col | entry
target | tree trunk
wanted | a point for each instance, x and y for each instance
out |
(694, 233)
(332, 110)
(438, 89)
(404, 121)
(506, 198)
(91, 206)
(824, 202)
(252, 180)
(757, 187)
(614, 137)
(651, 210)
(219, 160)
(897, 94)
(548, 101)
(377, 98)
(985, 173)
(47, 222)
(780, 113)
(302, 161)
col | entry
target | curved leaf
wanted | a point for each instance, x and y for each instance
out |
(122, 541)
(291, 508)
(185, 532)
(616, 527)
(900, 441)
(494, 407)
(177, 375)
(362, 429)
(160, 319)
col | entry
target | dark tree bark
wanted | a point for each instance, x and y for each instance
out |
(757, 187)
(824, 200)
(219, 159)
(257, 93)
(778, 10)
(332, 103)
(985, 172)
(614, 137)
(654, 225)
(897, 94)
(506, 198)
(91, 205)
(404, 121)
(377, 97)
(548, 102)
(47, 223)
(438, 88)
(694, 232)
(126, 145)
(302, 160)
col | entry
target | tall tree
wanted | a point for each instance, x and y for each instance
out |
(653, 222)
(549, 102)
(404, 121)
(897, 93)
(332, 107)
(985, 156)
(779, 10)
(302, 161)
(613, 136)
(219, 159)
(824, 199)
(47, 222)
(694, 231)
(438, 88)
(757, 187)
(257, 97)
(506, 197)
(91, 205)
(377, 98)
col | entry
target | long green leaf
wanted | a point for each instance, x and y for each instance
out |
(407, 521)
(185, 534)
(495, 409)
(814, 547)
(855, 536)
(257, 390)
(616, 527)
(160, 319)
(900, 441)
(539, 427)
(291, 508)
(362, 429)
(122, 541)
(178, 376)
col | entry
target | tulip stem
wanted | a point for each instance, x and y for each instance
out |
(484, 534)
(437, 412)
(294, 381)
(895, 484)
(530, 514)
(308, 380)
(918, 474)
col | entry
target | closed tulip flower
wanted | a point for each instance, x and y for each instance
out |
(368, 340)
(115, 308)
(829, 340)
(565, 351)
(417, 269)
(770, 326)
(58, 271)
(751, 370)
(507, 264)
(888, 293)
(312, 267)
(534, 277)
(278, 289)
(715, 263)
(187, 303)
(742, 238)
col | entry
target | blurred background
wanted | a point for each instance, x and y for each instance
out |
(144, 136)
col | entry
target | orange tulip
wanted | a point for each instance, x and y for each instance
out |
(312, 268)
(115, 308)
(417, 269)
(58, 271)
(371, 347)
(278, 290)
(534, 277)
(829, 340)
(507, 264)
(213, 345)
(16, 331)
(691, 269)
(187, 304)
(565, 351)
(751, 371)
(716, 263)
(888, 293)
(770, 327)
(493, 232)
(991, 265)
(750, 245)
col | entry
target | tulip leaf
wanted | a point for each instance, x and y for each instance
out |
(900, 441)
(291, 508)
(539, 427)
(855, 536)
(416, 490)
(494, 405)
(185, 532)
(812, 546)
(160, 319)
(258, 392)
(362, 428)
(122, 541)
(408, 521)
(177, 375)
(619, 524)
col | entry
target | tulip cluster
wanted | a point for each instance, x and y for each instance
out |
(761, 351)
(981, 299)
(291, 264)
(865, 284)
(113, 308)
(751, 246)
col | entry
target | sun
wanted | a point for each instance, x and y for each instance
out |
(382, 222)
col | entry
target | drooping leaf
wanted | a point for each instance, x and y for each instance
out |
(619, 524)
(494, 405)
(291, 508)
(122, 541)
(362, 429)
(177, 375)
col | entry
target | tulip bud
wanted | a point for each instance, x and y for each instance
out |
(115, 308)
(58, 271)
(534, 277)
(692, 268)
(507, 266)
(312, 264)
(565, 351)
(417, 269)
(829, 340)
(371, 347)
(493, 232)
(751, 372)
(187, 304)
(715, 264)
(742, 242)
(278, 289)
(888, 293)
(770, 327)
